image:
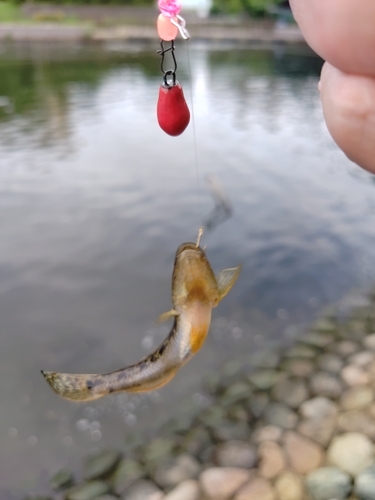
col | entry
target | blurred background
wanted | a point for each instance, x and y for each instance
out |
(95, 199)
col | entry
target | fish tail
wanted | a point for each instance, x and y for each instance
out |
(76, 387)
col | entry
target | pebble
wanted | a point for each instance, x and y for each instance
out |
(158, 449)
(317, 339)
(187, 490)
(256, 489)
(258, 403)
(304, 454)
(357, 421)
(346, 347)
(239, 391)
(330, 362)
(196, 440)
(265, 379)
(299, 367)
(265, 359)
(319, 430)
(220, 483)
(235, 454)
(228, 431)
(289, 486)
(143, 490)
(352, 452)
(87, 491)
(271, 459)
(101, 464)
(127, 472)
(369, 342)
(280, 415)
(292, 391)
(354, 375)
(174, 470)
(362, 359)
(328, 483)
(324, 325)
(364, 486)
(301, 351)
(326, 384)
(317, 408)
(62, 479)
(357, 397)
(267, 433)
(213, 415)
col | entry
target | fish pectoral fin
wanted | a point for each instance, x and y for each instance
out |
(169, 314)
(226, 279)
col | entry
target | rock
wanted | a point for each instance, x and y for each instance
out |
(211, 382)
(172, 471)
(197, 440)
(258, 402)
(280, 415)
(228, 431)
(235, 454)
(127, 472)
(265, 359)
(354, 375)
(319, 430)
(291, 391)
(87, 491)
(187, 490)
(298, 367)
(317, 408)
(158, 448)
(362, 358)
(364, 486)
(62, 479)
(143, 490)
(369, 342)
(101, 464)
(267, 433)
(352, 452)
(304, 454)
(265, 379)
(220, 483)
(301, 351)
(213, 415)
(357, 421)
(238, 413)
(106, 497)
(324, 325)
(271, 459)
(328, 483)
(357, 397)
(289, 486)
(330, 362)
(326, 384)
(346, 347)
(256, 489)
(239, 391)
(317, 339)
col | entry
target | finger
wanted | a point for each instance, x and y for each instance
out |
(341, 31)
(349, 110)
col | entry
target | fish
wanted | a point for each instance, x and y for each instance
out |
(195, 292)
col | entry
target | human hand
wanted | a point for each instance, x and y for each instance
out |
(343, 33)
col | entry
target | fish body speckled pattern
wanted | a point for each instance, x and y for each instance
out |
(195, 292)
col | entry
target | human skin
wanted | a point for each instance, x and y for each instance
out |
(342, 32)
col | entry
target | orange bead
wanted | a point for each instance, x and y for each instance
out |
(166, 30)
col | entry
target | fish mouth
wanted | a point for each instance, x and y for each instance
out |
(188, 246)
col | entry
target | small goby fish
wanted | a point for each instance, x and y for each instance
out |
(195, 291)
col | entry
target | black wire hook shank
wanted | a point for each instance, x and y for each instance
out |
(169, 72)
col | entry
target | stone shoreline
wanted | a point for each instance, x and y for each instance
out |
(300, 426)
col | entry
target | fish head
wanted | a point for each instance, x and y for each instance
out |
(193, 278)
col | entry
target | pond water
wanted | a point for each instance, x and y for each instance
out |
(95, 200)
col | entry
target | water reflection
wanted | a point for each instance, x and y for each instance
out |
(95, 200)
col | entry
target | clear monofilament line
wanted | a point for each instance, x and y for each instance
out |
(194, 132)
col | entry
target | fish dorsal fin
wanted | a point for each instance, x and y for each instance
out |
(169, 314)
(226, 279)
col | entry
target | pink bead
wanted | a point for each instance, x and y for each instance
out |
(169, 8)
(166, 30)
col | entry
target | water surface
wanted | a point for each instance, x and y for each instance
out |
(95, 200)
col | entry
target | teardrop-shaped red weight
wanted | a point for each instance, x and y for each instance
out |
(172, 111)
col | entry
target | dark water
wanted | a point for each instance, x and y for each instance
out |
(95, 200)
